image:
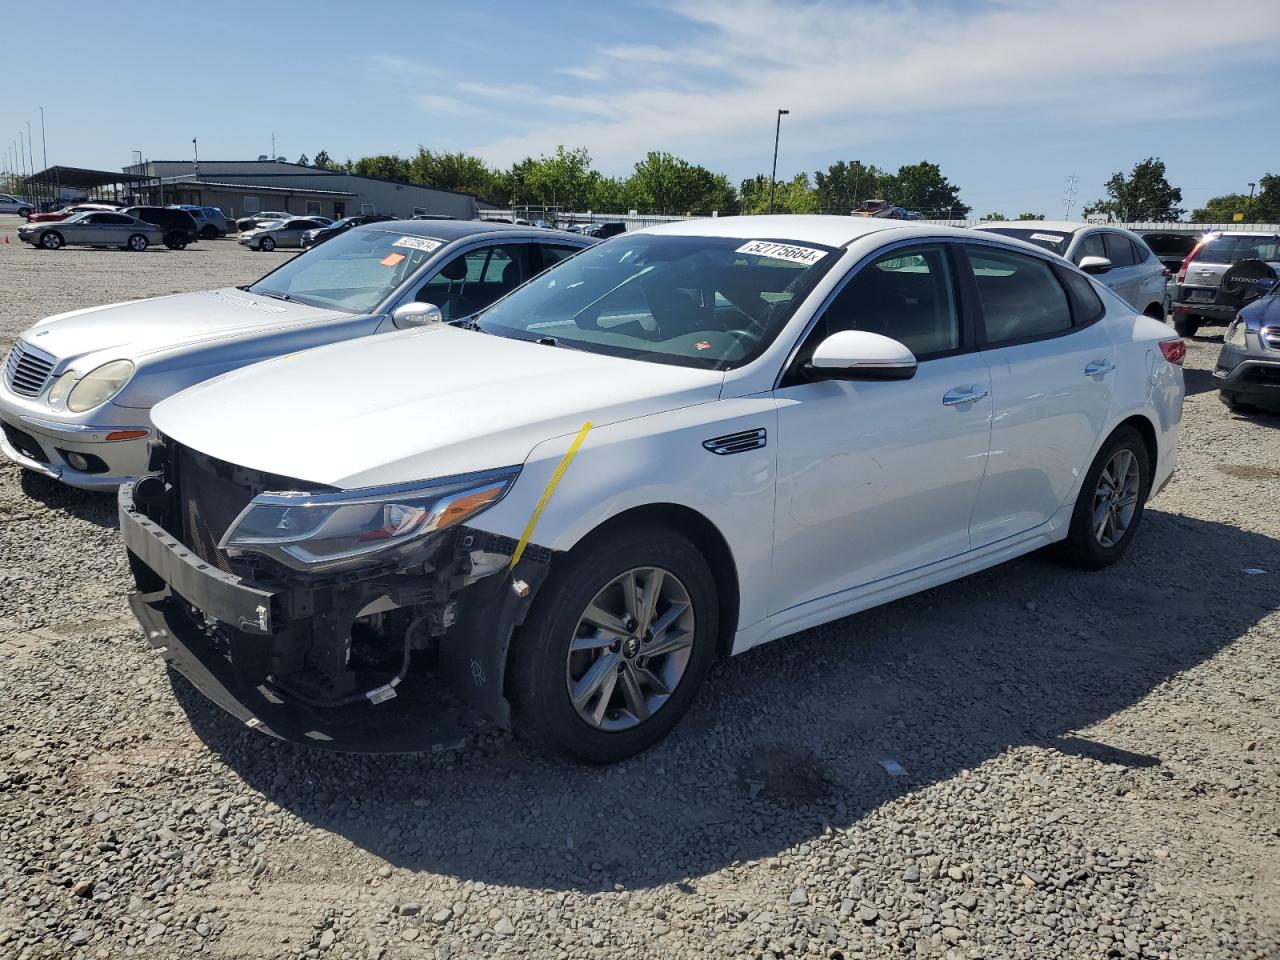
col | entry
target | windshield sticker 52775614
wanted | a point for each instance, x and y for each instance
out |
(419, 243)
(783, 251)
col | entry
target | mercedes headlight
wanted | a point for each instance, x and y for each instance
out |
(97, 386)
(1235, 333)
(309, 531)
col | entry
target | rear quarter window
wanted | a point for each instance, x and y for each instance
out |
(1086, 305)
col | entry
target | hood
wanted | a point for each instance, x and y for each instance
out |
(416, 404)
(1265, 311)
(141, 327)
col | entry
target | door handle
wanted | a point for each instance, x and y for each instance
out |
(962, 395)
(1098, 368)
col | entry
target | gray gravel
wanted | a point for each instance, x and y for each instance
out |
(1090, 759)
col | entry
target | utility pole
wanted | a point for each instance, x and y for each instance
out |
(1070, 196)
(195, 149)
(773, 177)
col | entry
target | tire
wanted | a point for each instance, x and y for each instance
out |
(24, 212)
(51, 240)
(1187, 326)
(1155, 312)
(1235, 404)
(209, 233)
(137, 243)
(176, 241)
(542, 666)
(267, 244)
(1092, 544)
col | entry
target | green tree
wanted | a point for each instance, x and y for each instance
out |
(922, 187)
(564, 179)
(304, 161)
(990, 217)
(383, 165)
(1264, 208)
(790, 196)
(322, 160)
(458, 171)
(842, 185)
(662, 183)
(1144, 195)
(1031, 216)
(609, 195)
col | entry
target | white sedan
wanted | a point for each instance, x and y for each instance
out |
(688, 440)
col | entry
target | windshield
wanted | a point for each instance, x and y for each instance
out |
(355, 271)
(711, 302)
(1052, 240)
(1232, 249)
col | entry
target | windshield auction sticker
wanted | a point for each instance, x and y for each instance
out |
(1051, 237)
(419, 243)
(782, 251)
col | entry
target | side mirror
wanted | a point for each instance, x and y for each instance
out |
(416, 314)
(860, 355)
(1095, 264)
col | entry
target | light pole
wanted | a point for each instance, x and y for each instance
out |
(44, 144)
(29, 147)
(773, 177)
(1249, 206)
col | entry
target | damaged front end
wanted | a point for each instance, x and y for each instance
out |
(355, 620)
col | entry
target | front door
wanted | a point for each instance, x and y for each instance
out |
(1052, 370)
(876, 478)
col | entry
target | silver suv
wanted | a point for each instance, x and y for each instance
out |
(1219, 276)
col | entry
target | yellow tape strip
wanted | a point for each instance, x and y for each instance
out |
(546, 494)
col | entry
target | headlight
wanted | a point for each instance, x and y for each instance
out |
(308, 531)
(58, 392)
(98, 386)
(1235, 333)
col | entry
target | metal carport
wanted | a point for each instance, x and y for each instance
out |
(45, 188)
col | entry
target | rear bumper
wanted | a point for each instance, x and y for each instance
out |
(1224, 313)
(244, 645)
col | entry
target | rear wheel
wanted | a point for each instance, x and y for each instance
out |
(176, 240)
(208, 233)
(1187, 326)
(24, 212)
(267, 244)
(619, 640)
(1111, 501)
(137, 243)
(51, 240)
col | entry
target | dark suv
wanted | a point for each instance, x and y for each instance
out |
(180, 228)
(1223, 273)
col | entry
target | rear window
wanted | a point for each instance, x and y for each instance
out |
(1231, 249)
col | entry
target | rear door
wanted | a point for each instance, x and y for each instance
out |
(1052, 366)
(877, 478)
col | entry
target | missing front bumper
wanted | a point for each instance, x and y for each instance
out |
(250, 646)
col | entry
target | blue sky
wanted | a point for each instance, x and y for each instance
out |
(1009, 97)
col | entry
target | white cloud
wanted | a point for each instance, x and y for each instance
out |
(436, 103)
(860, 72)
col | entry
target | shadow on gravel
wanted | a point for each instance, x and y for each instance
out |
(96, 508)
(1198, 381)
(790, 738)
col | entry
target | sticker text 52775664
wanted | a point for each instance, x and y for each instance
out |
(783, 251)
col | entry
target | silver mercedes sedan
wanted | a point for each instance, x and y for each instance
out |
(77, 389)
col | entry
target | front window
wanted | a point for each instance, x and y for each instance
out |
(1055, 241)
(711, 302)
(354, 272)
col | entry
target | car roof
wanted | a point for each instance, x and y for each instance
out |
(831, 230)
(450, 230)
(1057, 226)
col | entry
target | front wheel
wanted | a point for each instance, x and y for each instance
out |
(619, 640)
(25, 213)
(1186, 326)
(176, 241)
(1110, 503)
(137, 243)
(209, 233)
(267, 244)
(51, 240)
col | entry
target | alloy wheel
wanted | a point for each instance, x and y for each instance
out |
(1116, 499)
(630, 649)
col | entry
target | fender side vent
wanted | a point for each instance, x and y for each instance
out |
(736, 442)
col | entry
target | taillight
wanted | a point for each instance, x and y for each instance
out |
(1174, 350)
(1186, 263)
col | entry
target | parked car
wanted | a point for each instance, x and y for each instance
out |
(210, 220)
(689, 439)
(603, 231)
(1117, 258)
(433, 216)
(94, 228)
(281, 233)
(320, 234)
(1219, 274)
(70, 209)
(1172, 247)
(255, 220)
(179, 227)
(78, 388)
(1248, 368)
(19, 205)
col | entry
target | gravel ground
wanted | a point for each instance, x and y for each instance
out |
(1090, 760)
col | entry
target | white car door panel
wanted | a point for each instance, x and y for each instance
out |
(880, 477)
(1052, 369)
